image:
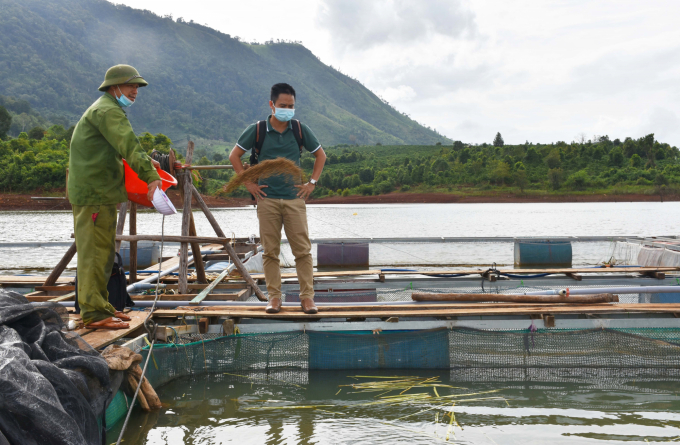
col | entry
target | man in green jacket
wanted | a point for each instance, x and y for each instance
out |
(101, 140)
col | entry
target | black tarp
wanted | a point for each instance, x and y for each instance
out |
(54, 388)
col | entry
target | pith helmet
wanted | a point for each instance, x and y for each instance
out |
(121, 74)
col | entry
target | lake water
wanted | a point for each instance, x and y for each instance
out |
(383, 221)
(223, 409)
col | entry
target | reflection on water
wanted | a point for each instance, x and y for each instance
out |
(222, 409)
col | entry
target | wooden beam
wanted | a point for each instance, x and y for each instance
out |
(204, 293)
(133, 244)
(61, 266)
(186, 220)
(231, 296)
(575, 276)
(66, 297)
(175, 239)
(122, 214)
(288, 312)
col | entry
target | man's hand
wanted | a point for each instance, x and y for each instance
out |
(152, 189)
(255, 190)
(155, 163)
(305, 190)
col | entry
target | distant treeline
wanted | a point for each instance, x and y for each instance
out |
(631, 165)
(37, 160)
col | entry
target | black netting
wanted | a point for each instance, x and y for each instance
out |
(53, 386)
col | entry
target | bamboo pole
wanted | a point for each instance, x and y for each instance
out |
(578, 299)
(122, 214)
(63, 263)
(208, 167)
(133, 244)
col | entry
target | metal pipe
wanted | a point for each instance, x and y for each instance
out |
(611, 290)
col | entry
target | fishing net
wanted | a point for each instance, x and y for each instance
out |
(53, 386)
(464, 351)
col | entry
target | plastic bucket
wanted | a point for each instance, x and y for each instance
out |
(138, 189)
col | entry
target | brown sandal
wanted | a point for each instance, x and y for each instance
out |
(108, 323)
(123, 316)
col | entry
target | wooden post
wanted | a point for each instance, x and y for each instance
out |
(122, 214)
(186, 222)
(56, 273)
(195, 246)
(133, 244)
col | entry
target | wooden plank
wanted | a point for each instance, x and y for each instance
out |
(572, 299)
(9, 280)
(102, 337)
(231, 296)
(122, 214)
(382, 308)
(65, 288)
(575, 276)
(69, 296)
(204, 293)
(288, 312)
(61, 266)
(203, 286)
(344, 273)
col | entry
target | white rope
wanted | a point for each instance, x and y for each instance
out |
(153, 340)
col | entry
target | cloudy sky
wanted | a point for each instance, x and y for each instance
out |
(536, 70)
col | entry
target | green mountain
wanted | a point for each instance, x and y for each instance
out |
(54, 53)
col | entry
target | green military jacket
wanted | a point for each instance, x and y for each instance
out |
(101, 140)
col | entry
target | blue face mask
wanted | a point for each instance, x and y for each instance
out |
(123, 101)
(284, 114)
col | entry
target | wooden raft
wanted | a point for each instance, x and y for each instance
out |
(420, 310)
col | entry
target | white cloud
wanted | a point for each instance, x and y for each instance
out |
(534, 70)
(402, 93)
(362, 24)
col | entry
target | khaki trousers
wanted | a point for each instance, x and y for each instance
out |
(96, 244)
(292, 215)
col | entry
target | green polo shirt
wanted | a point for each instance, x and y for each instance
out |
(101, 140)
(279, 145)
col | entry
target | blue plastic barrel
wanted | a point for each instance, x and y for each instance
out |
(542, 253)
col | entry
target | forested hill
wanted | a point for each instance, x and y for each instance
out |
(54, 53)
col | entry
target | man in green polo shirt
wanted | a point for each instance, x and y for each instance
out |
(280, 201)
(101, 140)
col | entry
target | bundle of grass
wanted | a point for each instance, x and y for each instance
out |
(265, 169)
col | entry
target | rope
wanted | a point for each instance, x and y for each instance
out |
(150, 327)
(162, 159)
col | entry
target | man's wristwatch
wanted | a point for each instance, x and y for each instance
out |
(312, 181)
